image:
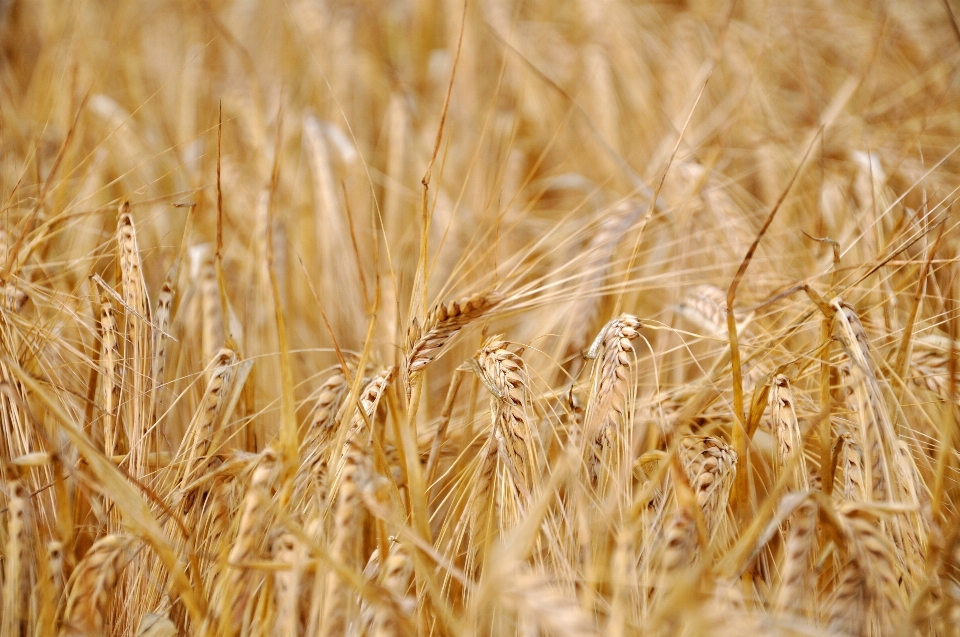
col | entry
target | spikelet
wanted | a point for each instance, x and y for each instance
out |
(111, 377)
(794, 594)
(679, 538)
(482, 496)
(440, 326)
(324, 411)
(395, 575)
(154, 625)
(324, 179)
(614, 342)
(542, 606)
(875, 430)
(846, 612)
(505, 375)
(607, 407)
(850, 333)
(877, 555)
(320, 427)
(92, 584)
(595, 263)
(138, 356)
(710, 465)
(680, 542)
(787, 430)
(916, 530)
(706, 307)
(128, 144)
(866, 433)
(854, 477)
(211, 309)
(333, 614)
(16, 559)
(367, 403)
(398, 230)
(236, 588)
(13, 297)
(368, 619)
(204, 433)
(930, 365)
(55, 567)
(214, 519)
(289, 551)
(161, 318)
(131, 271)
(332, 231)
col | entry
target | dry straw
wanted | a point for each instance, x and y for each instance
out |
(224, 389)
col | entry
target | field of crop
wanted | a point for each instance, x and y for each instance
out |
(433, 318)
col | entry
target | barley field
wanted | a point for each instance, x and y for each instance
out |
(433, 318)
